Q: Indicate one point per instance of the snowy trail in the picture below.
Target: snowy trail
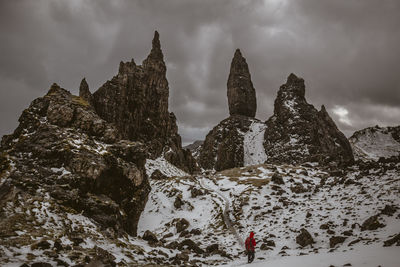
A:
(225, 213)
(254, 152)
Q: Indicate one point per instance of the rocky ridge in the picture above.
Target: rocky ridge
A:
(62, 150)
(136, 102)
(373, 143)
(297, 132)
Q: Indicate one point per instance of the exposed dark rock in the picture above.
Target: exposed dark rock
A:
(277, 178)
(136, 101)
(334, 240)
(389, 210)
(372, 223)
(223, 146)
(181, 224)
(191, 245)
(393, 240)
(84, 92)
(40, 264)
(178, 203)
(149, 236)
(43, 244)
(298, 189)
(241, 93)
(64, 148)
(158, 175)
(304, 238)
(212, 248)
(298, 133)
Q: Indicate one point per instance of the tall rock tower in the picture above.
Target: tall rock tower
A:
(241, 93)
(223, 146)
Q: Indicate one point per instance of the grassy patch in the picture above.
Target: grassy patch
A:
(80, 101)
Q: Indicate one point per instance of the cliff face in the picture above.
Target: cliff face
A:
(298, 133)
(136, 101)
(63, 153)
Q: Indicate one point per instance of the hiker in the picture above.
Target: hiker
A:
(250, 245)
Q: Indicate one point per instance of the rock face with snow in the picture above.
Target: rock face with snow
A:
(223, 146)
(373, 143)
(136, 101)
(241, 93)
(297, 132)
(63, 153)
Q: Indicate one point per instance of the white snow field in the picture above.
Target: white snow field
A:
(254, 152)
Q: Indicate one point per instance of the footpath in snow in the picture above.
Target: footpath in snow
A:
(362, 256)
(254, 152)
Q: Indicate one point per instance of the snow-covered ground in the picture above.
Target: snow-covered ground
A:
(254, 152)
(360, 256)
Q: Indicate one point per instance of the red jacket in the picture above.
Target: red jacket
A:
(250, 242)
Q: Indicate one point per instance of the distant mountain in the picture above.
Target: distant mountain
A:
(375, 142)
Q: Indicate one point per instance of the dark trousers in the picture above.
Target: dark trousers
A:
(250, 256)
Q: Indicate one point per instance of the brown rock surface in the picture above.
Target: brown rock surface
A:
(241, 93)
(298, 133)
(136, 101)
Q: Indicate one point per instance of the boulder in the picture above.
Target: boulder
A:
(181, 224)
(150, 236)
(304, 238)
(158, 175)
(334, 240)
(277, 178)
(372, 223)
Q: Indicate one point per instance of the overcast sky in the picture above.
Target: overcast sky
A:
(347, 51)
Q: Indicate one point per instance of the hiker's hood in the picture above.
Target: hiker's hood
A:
(251, 234)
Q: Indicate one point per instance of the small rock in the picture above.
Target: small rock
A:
(43, 244)
(334, 240)
(158, 175)
(391, 241)
(277, 178)
(181, 224)
(304, 238)
(389, 210)
(211, 248)
(372, 223)
(178, 202)
(150, 236)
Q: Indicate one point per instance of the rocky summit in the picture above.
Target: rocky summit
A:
(136, 101)
(65, 155)
(241, 93)
(297, 132)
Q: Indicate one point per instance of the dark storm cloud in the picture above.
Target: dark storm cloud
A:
(347, 51)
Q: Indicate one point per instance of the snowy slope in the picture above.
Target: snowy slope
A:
(254, 152)
(373, 143)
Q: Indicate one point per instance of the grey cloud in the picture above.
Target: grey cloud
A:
(347, 52)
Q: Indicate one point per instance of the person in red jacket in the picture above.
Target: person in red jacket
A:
(250, 246)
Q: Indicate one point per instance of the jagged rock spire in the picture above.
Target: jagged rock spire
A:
(241, 93)
(84, 92)
(155, 60)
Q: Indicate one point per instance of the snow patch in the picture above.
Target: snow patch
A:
(254, 152)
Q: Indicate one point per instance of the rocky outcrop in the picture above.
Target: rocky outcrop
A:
(84, 92)
(63, 153)
(376, 142)
(136, 101)
(298, 133)
(241, 93)
(223, 146)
